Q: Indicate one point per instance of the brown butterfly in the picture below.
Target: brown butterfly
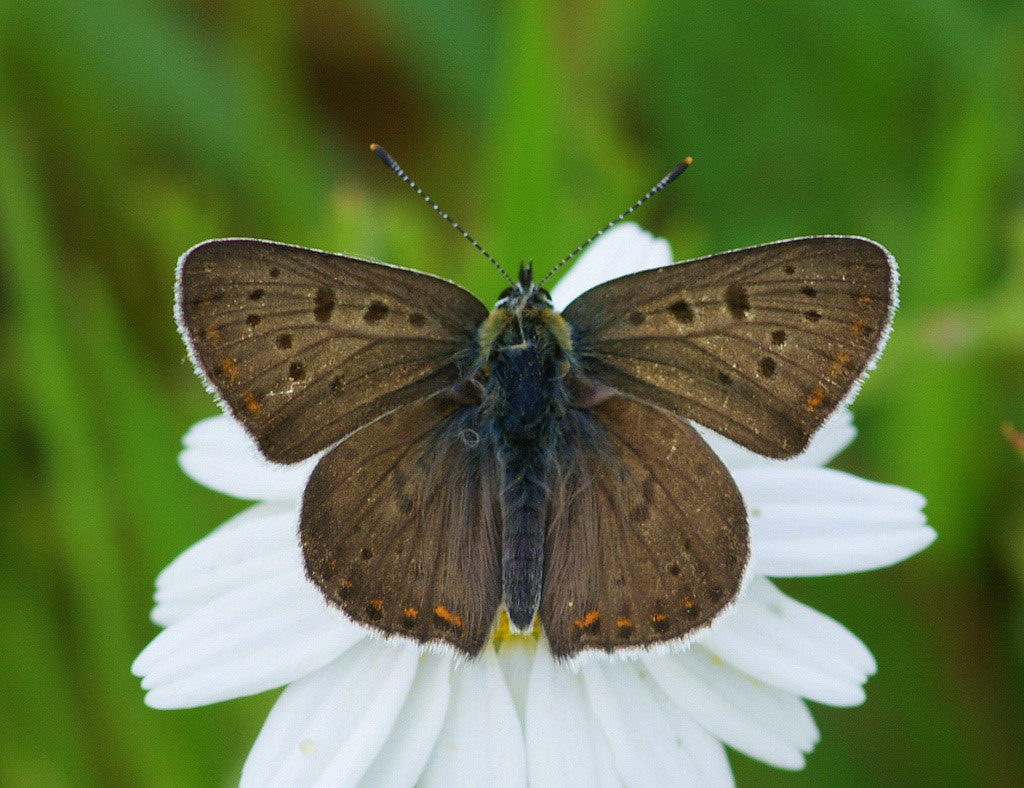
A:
(523, 459)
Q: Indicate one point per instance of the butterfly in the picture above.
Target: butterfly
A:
(523, 460)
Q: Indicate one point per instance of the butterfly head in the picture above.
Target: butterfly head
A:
(525, 294)
(524, 314)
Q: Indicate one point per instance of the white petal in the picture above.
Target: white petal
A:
(755, 718)
(253, 639)
(327, 728)
(835, 435)
(564, 745)
(258, 543)
(516, 659)
(787, 644)
(816, 521)
(415, 732)
(482, 739)
(220, 455)
(625, 249)
(706, 751)
(644, 740)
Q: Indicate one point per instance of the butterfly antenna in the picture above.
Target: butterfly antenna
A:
(385, 157)
(678, 170)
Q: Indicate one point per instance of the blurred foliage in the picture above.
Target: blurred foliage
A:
(132, 129)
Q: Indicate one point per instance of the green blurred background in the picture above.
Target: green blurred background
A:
(131, 130)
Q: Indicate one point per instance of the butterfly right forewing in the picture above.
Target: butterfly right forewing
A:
(303, 347)
(759, 344)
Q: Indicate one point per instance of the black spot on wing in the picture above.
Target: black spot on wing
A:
(323, 304)
(737, 301)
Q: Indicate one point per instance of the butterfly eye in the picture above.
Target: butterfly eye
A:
(506, 293)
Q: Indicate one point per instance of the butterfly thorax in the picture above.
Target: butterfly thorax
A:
(525, 354)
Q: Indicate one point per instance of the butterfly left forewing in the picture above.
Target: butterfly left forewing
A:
(759, 344)
(400, 526)
(303, 346)
(647, 538)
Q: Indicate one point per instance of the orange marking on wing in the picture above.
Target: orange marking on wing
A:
(212, 334)
(841, 360)
(410, 612)
(376, 604)
(446, 615)
(815, 398)
(251, 404)
(622, 621)
(590, 618)
(687, 602)
(229, 369)
(857, 326)
(658, 617)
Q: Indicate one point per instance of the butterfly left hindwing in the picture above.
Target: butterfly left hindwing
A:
(401, 525)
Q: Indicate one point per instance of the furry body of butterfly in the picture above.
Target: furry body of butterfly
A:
(525, 353)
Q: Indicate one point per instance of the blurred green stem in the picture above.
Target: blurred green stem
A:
(51, 384)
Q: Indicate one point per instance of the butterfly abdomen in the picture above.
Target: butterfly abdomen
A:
(524, 503)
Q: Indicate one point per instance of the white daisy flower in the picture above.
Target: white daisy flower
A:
(240, 617)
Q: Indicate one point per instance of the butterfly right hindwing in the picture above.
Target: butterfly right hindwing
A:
(647, 535)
